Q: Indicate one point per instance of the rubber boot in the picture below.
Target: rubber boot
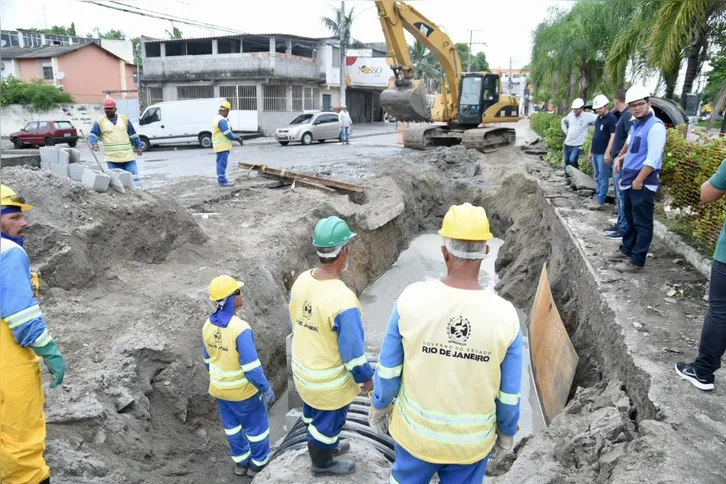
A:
(343, 448)
(240, 470)
(324, 464)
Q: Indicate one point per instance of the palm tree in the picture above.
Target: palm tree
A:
(339, 25)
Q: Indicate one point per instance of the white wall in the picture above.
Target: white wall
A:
(9, 68)
(122, 48)
(14, 117)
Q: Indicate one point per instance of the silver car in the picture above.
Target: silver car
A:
(310, 127)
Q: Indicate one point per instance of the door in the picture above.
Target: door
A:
(43, 131)
(29, 132)
(151, 124)
(326, 102)
(334, 126)
(472, 95)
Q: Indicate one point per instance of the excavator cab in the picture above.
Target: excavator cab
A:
(479, 92)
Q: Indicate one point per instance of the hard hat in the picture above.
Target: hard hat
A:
(331, 232)
(600, 101)
(109, 103)
(636, 93)
(578, 103)
(222, 287)
(466, 222)
(343, 106)
(226, 105)
(8, 198)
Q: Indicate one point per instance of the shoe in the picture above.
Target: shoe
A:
(324, 464)
(226, 184)
(343, 448)
(254, 470)
(687, 371)
(614, 236)
(618, 256)
(594, 206)
(627, 268)
(612, 228)
(240, 470)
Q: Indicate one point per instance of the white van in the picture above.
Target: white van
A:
(178, 122)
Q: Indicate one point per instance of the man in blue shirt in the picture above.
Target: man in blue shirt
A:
(713, 336)
(601, 142)
(641, 159)
(617, 231)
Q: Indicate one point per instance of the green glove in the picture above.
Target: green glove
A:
(53, 360)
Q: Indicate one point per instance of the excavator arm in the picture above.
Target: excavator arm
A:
(406, 101)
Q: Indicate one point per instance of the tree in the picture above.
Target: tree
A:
(112, 34)
(175, 32)
(339, 25)
(478, 61)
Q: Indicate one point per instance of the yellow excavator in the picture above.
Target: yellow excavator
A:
(466, 101)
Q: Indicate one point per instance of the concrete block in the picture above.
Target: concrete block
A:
(76, 171)
(60, 169)
(126, 178)
(44, 165)
(48, 155)
(96, 180)
(294, 400)
(291, 418)
(382, 219)
(74, 154)
(62, 157)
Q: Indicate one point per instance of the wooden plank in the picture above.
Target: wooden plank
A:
(554, 359)
(317, 186)
(266, 170)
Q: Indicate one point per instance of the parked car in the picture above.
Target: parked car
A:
(45, 133)
(309, 127)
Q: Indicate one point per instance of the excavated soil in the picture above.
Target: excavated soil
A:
(124, 280)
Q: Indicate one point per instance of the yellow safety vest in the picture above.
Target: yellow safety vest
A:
(454, 340)
(115, 137)
(220, 142)
(22, 424)
(226, 377)
(321, 378)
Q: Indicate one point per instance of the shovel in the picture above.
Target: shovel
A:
(115, 182)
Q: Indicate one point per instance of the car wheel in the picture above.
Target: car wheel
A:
(321, 141)
(307, 138)
(145, 144)
(205, 140)
(17, 143)
(48, 142)
(283, 143)
(72, 144)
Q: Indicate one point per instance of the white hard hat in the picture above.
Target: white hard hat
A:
(578, 103)
(600, 101)
(343, 106)
(636, 93)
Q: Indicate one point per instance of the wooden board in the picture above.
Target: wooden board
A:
(313, 181)
(554, 359)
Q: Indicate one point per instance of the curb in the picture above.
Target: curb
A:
(274, 142)
(676, 243)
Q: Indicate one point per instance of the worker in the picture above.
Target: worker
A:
(328, 350)
(346, 124)
(616, 232)
(236, 379)
(575, 126)
(602, 141)
(24, 339)
(641, 159)
(445, 331)
(222, 137)
(119, 139)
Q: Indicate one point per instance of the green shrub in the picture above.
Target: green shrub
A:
(35, 94)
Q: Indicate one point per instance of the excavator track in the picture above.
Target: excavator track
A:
(488, 139)
(416, 137)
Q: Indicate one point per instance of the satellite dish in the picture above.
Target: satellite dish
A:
(60, 75)
(3, 43)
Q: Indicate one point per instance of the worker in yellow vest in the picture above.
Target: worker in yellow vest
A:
(236, 379)
(24, 339)
(328, 350)
(222, 137)
(466, 339)
(119, 139)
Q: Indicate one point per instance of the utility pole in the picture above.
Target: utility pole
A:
(343, 28)
(510, 77)
(471, 38)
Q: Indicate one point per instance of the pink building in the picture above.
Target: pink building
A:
(89, 70)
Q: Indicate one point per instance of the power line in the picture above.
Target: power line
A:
(204, 24)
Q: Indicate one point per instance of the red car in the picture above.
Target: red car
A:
(45, 133)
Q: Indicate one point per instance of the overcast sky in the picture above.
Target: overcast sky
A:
(505, 25)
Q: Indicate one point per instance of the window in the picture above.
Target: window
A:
(274, 98)
(194, 92)
(63, 125)
(199, 47)
(155, 95)
(243, 98)
(311, 98)
(229, 46)
(31, 127)
(297, 98)
(11, 39)
(48, 73)
(336, 56)
(43, 126)
(302, 119)
(153, 49)
(152, 115)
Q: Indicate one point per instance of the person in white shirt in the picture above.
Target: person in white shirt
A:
(347, 123)
(575, 126)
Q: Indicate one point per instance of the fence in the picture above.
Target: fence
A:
(242, 97)
(194, 92)
(274, 98)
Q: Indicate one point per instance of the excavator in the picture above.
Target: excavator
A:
(466, 101)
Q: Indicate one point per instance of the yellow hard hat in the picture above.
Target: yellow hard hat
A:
(8, 198)
(226, 105)
(222, 287)
(466, 222)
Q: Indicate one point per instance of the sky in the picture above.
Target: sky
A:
(506, 34)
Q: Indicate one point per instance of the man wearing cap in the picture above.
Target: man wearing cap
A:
(119, 139)
(346, 123)
(466, 339)
(236, 379)
(24, 339)
(328, 349)
(575, 126)
(222, 137)
(639, 162)
(601, 143)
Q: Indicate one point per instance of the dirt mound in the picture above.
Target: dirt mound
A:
(76, 234)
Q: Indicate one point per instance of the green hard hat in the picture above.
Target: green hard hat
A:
(331, 231)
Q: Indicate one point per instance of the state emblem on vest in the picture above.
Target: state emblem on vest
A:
(459, 330)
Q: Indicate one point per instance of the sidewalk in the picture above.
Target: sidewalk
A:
(358, 131)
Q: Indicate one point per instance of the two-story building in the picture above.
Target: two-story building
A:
(515, 82)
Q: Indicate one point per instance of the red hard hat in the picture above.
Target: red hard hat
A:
(109, 103)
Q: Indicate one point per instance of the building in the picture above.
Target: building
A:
(88, 70)
(516, 83)
(268, 78)
(25, 38)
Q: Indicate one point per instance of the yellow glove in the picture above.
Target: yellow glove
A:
(379, 419)
(35, 283)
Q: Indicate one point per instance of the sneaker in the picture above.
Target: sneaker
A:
(627, 268)
(612, 228)
(687, 371)
(618, 256)
(240, 470)
(594, 206)
(254, 470)
(614, 236)
(226, 184)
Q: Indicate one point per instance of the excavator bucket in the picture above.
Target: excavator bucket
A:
(406, 103)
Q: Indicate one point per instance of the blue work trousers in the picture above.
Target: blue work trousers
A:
(248, 430)
(324, 426)
(410, 470)
(622, 224)
(572, 156)
(602, 177)
(222, 157)
(639, 208)
(129, 166)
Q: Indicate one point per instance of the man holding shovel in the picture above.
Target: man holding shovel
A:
(118, 135)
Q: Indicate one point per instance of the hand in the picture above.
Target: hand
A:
(367, 386)
(94, 147)
(502, 447)
(589, 157)
(617, 164)
(608, 159)
(139, 151)
(379, 419)
(239, 137)
(268, 397)
(53, 360)
(637, 184)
